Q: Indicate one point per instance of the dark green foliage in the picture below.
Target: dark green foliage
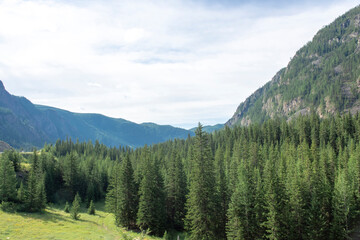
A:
(35, 199)
(75, 208)
(221, 193)
(128, 201)
(113, 194)
(21, 193)
(278, 180)
(121, 198)
(91, 209)
(71, 173)
(201, 204)
(176, 190)
(151, 214)
(7, 179)
(14, 157)
(67, 207)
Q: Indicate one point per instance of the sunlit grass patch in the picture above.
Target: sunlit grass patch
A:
(54, 223)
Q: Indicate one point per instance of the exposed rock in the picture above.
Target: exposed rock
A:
(291, 106)
(338, 69)
(4, 146)
(356, 21)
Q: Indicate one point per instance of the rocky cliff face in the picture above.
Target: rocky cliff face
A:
(323, 76)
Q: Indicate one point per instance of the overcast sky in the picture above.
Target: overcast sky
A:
(173, 62)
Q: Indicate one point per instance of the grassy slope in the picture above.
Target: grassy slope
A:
(56, 224)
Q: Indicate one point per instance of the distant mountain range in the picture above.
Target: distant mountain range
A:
(323, 76)
(25, 125)
(210, 129)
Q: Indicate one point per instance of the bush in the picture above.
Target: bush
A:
(8, 206)
(75, 209)
(67, 207)
(91, 209)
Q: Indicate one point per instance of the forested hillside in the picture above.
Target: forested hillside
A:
(278, 180)
(25, 125)
(323, 76)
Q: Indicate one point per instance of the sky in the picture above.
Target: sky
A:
(176, 62)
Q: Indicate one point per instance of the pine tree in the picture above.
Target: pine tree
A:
(75, 209)
(35, 199)
(222, 193)
(31, 191)
(113, 193)
(241, 214)
(176, 191)
(151, 213)
(201, 202)
(40, 197)
(127, 198)
(341, 207)
(91, 209)
(7, 179)
(71, 172)
(276, 222)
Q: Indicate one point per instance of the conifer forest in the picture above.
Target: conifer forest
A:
(297, 179)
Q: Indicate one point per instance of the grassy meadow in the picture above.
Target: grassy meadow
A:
(54, 223)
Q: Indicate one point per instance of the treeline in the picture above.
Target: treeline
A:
(278, 180)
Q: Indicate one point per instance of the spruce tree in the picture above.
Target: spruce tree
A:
(113, 193)
(75, 208)
(151, 213)
(222, 193)
(176, 191)
(7, 179)
(71, 172)
(276, 220)
(127, 198)
(201, 203)
(241, 214)
(40, 197)
(35, 199)
(91, 209)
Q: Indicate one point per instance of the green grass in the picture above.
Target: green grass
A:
(54, 223)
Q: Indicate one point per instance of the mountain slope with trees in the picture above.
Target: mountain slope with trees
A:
(323, 76)
(24, 125)
(278, 180)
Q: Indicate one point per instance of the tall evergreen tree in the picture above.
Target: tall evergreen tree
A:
(35, 199)
(75, 208)
(127, 202)
(112, 196)
(241, 209)
(91, 209)
(71, 172)
(201, 202)
(176, 190)
(222, 193)
(7, 179)
(151, 213)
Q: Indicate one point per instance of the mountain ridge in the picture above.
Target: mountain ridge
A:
(25, 125)
(323, 76)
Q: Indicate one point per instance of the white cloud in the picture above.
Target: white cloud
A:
(172, 62)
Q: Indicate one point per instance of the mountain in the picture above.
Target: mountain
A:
(24, 125)
(4, 146)
(209, 129)
(323, 76)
